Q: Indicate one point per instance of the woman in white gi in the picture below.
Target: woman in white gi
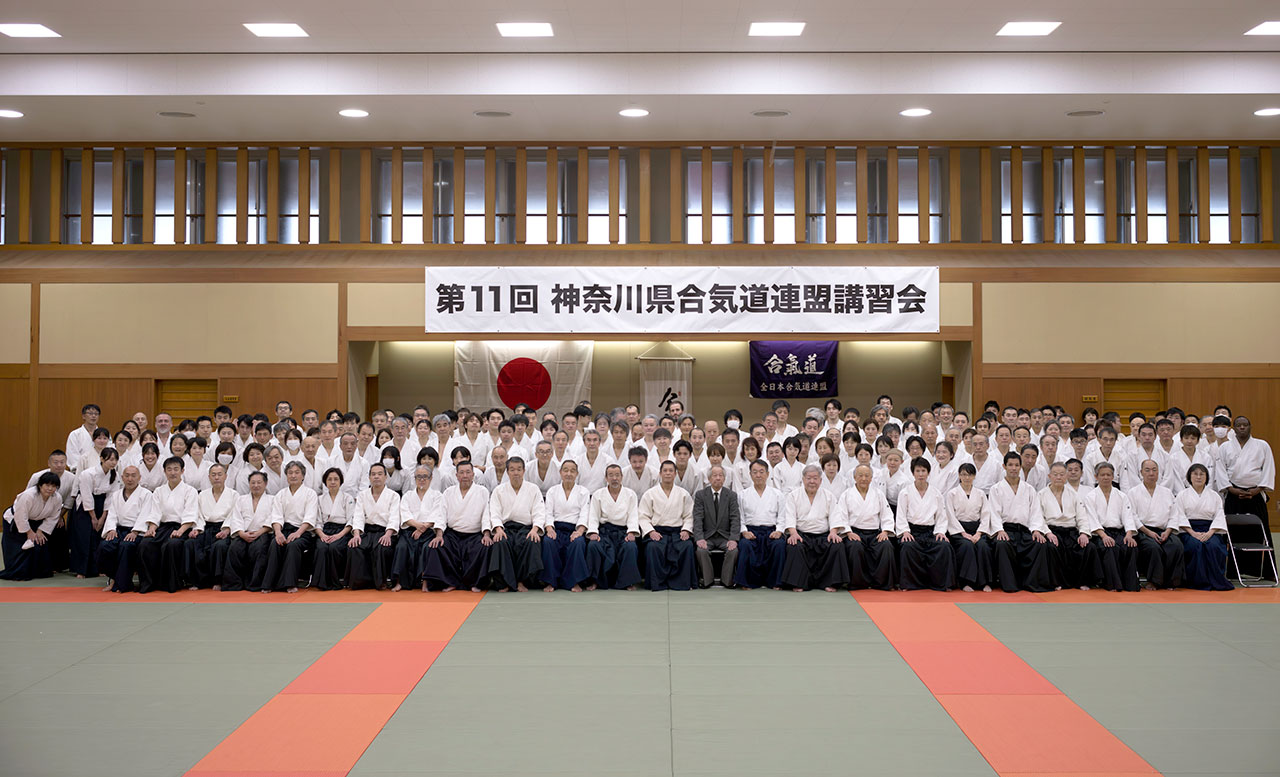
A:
(892, 478)
(334, 509)
(924, 551)
(944, 477)
(128, 510)
(84, 527)
(564, 548)
(966, 506)
(787, 473)
(1204, 548)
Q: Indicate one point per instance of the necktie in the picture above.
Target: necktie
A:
(715, 501)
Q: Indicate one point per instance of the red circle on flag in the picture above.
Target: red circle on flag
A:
(524, 380)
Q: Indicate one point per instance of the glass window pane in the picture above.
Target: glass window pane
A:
(784, 186)
(535, 193)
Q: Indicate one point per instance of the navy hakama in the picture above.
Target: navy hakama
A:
(516, 559)
(564, 561)
(285, 562)
(815, 562)
(22, 564)
(612, 562)
(1160, 562)
(246, 564)
(370, 564)
(872, 564)
(760, 561)
(925, 562)
(669, 561)
(1071, 565)
(83, 539)
(972, 559)
(406, 564)
(461, 561)
(1205, 563)
(118, 558)
(205, 557)
(1021, 562)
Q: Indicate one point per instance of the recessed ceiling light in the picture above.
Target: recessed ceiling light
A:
(525, 29)
(28, 31)
(771, 113)
(492, 114)
(353, 113)
(633, 113)
(1267, 112)
(1084, 114)
(276, 30)
(176, 114)
(8, 114)
(1028, 28)
(1266, 28)
(915, 112)
(776, 29)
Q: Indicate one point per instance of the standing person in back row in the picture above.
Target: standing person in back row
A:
(1246, 472)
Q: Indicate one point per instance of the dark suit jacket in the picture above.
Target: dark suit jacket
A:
(707, 522)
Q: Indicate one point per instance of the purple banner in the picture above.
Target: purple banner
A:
(783, 369)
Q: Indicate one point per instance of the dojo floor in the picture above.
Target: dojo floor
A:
(697, 683)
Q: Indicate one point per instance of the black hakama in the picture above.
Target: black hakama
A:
(516, 559)
(564, 561)
(872, 564)
(370, 564)
(118, 558)
(815, 562)
(1071, 565)
(1205, 562)
(1160, 562)
(406, 565)
(331, 559)
(84, 540)
(205, 557)
(612, 562)
(973, 559)
(461, 561)
(285, 562)
(246, 564)
(1021, 562)
(760, 561)
(669, 561)
(925, 562)
(151, 558)
(22, 564)
(1119, 562)
(173, 561)
(60, 546)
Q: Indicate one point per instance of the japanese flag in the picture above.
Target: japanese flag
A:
(546, 375)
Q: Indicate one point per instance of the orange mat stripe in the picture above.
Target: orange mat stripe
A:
(991, 693)
(325, 719)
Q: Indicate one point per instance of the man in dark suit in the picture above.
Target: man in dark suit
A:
(717, 524)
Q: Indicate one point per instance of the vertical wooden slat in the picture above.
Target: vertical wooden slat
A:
(1172, 215)
(55, 196)
(1234, 219)
(33, 381)
(459, 194)
(737, 180)
(892, 204)
(1202, 193)
(117, 196)
(273, 194)
(1266, 218)
(584, 193)
(366, 195)
(211, 195)
(179, 196)
(553, 213)
(335, 195)
(954, 196)
(1015, 194)
(1048, 195)
(522, 194)
(428, 195)
(984, 195)
(242, 195)
(768, 194)
(645, 206)
(397, 195)
(304, 195)
(706, 195)
(976, 370)
(1078, 207)
(831, 208)
(1110, 188)
(86, 195)
(615, 195)
(24, 196)
(864, 187)
(490, 195)
(1140, 194)
(922, 193)
(677, 209)
(148, 196)
(801, 195)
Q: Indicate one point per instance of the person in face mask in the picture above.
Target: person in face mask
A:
(293, 445)
(732, 419)
(397, 480)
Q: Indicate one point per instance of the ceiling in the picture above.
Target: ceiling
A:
(1160, 69)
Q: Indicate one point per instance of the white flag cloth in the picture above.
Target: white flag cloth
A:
(662, 380)
(548, 375)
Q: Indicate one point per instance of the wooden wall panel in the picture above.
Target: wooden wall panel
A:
(62, 398)
(14, 466)
(261, 394)
(1033, 392)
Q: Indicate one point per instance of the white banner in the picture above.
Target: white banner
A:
(662, 380)
(553, 375)
(676, 300)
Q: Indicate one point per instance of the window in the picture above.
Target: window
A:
(754, 160)
(815, 200)
(1157, 198)
(567, 196)
(878, 195)
(721, 196)
(442, 180)
(1249, 196)
(1219, 203)
(784, 196)
(290, 186)
(846, 196)
(535, 193)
